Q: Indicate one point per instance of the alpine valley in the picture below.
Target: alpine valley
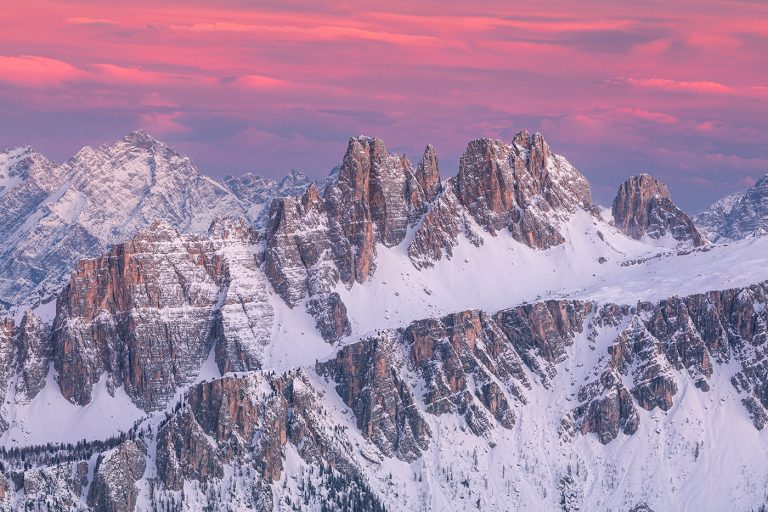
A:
(388, 338)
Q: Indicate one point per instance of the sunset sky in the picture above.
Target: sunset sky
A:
(675, 88)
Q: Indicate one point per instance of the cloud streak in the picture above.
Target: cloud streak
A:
(35, 70)
(701, 86)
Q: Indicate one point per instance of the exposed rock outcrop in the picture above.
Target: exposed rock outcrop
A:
(258, 192)
(737, 215)
(246, 420)
(149, 312)
(35, 353)
(465, 359)
(298, 259)
(330, 314)
(367, 376)
(374, 200)
(644, 207)
(522, 187)
(25, 355)
(52, 215)
(250, 430)
(662, 340)
(114, 482)
(712, 221)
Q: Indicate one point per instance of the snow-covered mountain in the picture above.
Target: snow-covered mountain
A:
(391, 340)
(52, 215)
(258, 192)
(737, 215)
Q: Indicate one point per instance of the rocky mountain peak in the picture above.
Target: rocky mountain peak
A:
(295, 178)
(13, 166)
(643, 207)
(133, 152)
(711, 222)
(12, 156)
(140, 138)
(364, 155)
(19, 164)
(521, 187)
(152, 309)
(258, 191)
(51, 215)
(187, 327)
(497, 182)
(428, 173)
(375, 197)
(527, 141)
(749, 214)
(249, 186)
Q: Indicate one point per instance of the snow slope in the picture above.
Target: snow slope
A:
(503, 272)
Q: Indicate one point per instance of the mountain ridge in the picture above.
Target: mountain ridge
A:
(385, 339)
(737, 215)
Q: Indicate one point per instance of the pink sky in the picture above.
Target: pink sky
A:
(675, 88)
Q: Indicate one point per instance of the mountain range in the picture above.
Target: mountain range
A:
(383, 339)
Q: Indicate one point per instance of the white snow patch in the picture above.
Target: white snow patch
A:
(50, 418)
(503, 272)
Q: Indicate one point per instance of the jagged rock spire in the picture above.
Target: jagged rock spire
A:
(644, 207)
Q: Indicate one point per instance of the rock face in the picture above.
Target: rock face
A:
(52, 215)
(330, 314)
(258, 192)
(298, 258)
(522, 187)
(149, 312)
(25, 355)
(443, 412)
(368, 380)
(7, 356)
(470, 374)
(497, 182)
(113, 488)
(315, 241)
(738, 215)
(470, 363)
(644, 207)
(661, 341)
(750, 214)
(59, 487)
(711, 222)
(34, 355)
(374, 199)
(463, 351)
(377, 196)
(249, 422)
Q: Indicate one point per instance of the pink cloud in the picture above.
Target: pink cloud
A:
(473, 22)
(35, 70)
(312, 32)
(162, 123)
(82, 20)
(645, 115)
(439, 72)
(124, 75)
(701, 86)
(259, 82)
